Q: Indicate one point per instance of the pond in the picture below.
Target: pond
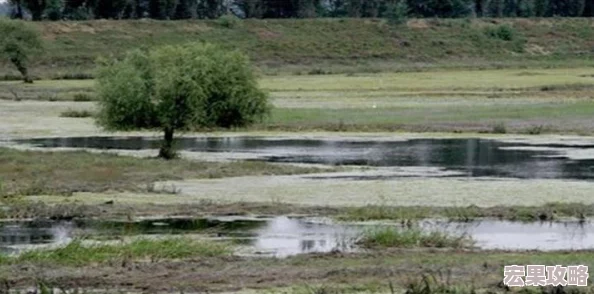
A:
(284, 236)
(471, 157)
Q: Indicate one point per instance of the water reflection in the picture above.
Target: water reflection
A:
(33, 233)
(283, 236)
(496, 234)
(474, 157)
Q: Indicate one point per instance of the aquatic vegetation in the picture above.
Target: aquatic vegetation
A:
(411, 237)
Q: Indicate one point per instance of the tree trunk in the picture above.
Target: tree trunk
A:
(167, 151)
(22, 69)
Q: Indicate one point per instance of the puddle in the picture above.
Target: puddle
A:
(470, 157)
(282, 236)
(23, 234)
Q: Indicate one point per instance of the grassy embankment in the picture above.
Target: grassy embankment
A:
(328, 45)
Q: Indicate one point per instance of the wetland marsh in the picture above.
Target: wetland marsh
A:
(502, 157)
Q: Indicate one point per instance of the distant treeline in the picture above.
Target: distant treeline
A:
(210, 9)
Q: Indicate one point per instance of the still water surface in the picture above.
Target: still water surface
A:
(473, 157)
(283, 236)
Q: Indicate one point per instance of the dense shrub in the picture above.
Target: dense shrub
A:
(502, 32)
(228, 21)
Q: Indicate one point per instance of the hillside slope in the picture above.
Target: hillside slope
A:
(332, 44)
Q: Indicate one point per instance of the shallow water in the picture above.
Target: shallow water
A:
(282, 236)
(496, 234)
(16, 234)
(472, 157)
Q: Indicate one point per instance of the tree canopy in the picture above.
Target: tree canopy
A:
(184, 9)
(181, 87)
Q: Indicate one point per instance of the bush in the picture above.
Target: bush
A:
(318, 71)
(74, 76)
(536, 130)
(82, 97)
(501, 32)
(499, 128)
(228, 21)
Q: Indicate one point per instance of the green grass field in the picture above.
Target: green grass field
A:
(519, 101)
(302, 46)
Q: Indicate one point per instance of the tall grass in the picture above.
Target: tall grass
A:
(411, 238)
(77, 254)
(431, 283)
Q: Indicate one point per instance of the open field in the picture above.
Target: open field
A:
(326, 45)
(521, 101)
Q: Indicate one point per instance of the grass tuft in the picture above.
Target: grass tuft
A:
(411, 238)
(499, 128)
(430, 283)
(82, 97)
(76, 113)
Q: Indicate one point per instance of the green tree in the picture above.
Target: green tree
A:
(181, 87)
(54, 10)
(541, 7)
(185, 9)
(251, 8)
(211, 8)
(36, 7)
(396, 13)
(17, 11)
(19, 41)
(162, 9)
